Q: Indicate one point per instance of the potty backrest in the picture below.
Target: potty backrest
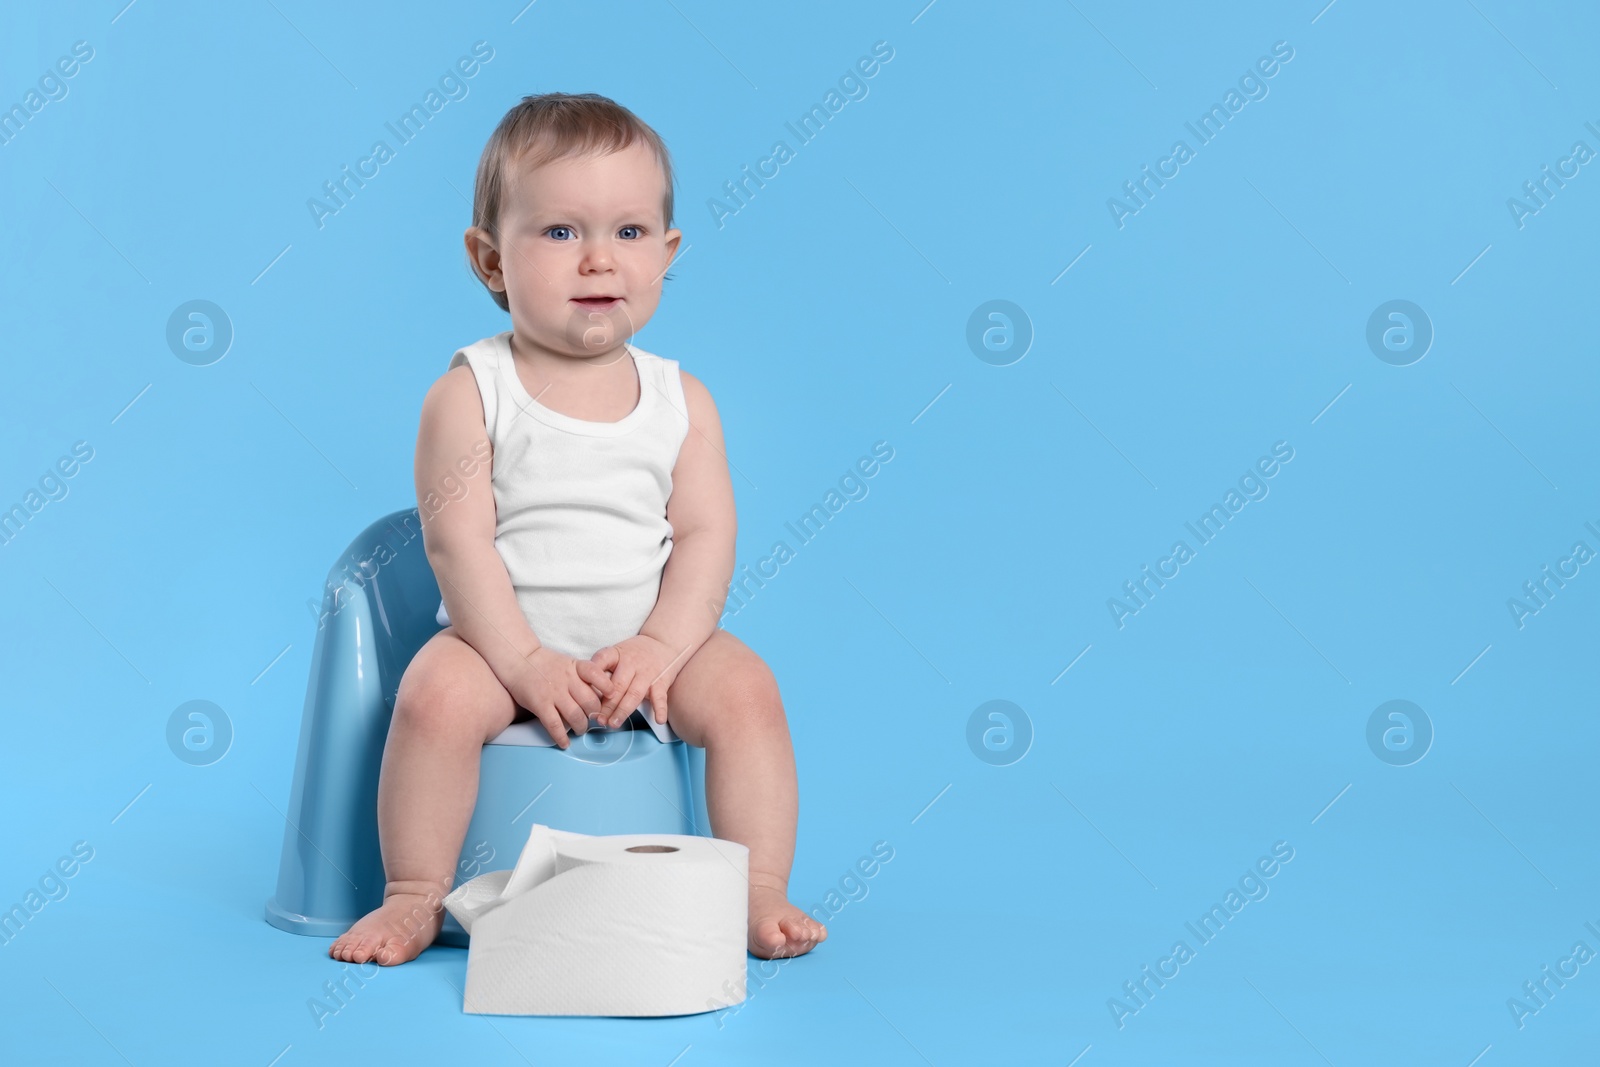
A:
(387, 567)
(377, 610)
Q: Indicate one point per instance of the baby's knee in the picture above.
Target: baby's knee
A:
(423, 702)
(438, 698)
(751, 691)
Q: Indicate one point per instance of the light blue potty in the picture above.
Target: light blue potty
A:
(378, 609)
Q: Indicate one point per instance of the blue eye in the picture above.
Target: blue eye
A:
(635, 228)
(552, 231)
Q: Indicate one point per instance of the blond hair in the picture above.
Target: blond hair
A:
(550, 126)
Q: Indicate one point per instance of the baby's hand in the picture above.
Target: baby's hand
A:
(640, 666)
(561, 692)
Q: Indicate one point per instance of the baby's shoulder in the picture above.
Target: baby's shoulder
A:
(455, 382)
(454, 398)
(697, 402)
(697, 398)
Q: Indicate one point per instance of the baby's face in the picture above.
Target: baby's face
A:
(579, 229)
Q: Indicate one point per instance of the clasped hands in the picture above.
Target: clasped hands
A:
(564, 693)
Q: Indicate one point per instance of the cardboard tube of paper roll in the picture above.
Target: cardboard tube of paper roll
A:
(620, 924)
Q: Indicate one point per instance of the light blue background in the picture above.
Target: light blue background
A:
(825, 316)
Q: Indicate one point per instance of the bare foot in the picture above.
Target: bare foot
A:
(394, 932)
(778, 928)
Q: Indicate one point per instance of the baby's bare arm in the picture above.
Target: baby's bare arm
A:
(694, 584)
(453, 467)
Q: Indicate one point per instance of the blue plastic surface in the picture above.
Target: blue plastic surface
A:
(377, 611)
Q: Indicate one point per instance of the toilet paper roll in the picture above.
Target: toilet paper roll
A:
(619, 924)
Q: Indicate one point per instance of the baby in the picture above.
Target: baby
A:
(584, 570)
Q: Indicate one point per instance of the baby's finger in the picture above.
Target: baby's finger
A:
(550, 719)
(595, 675)
(632, 698)
(658, 700)
(622, 677)
(603, 679)
(587, 699)
(628, 699)
(572, 713)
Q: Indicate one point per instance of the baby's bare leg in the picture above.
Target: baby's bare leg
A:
(726, 701)
(449, 704)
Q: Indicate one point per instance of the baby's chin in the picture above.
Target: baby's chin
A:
(589, 331)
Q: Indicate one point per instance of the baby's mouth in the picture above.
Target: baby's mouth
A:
(598, 303)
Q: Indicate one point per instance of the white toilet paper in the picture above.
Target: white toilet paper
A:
(620, 924)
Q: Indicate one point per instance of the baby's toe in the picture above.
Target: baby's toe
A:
(377, 946)
(348, 948)
(797, 928)
(767, 937)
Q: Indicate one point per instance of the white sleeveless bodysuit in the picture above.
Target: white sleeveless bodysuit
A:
(581, 507)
